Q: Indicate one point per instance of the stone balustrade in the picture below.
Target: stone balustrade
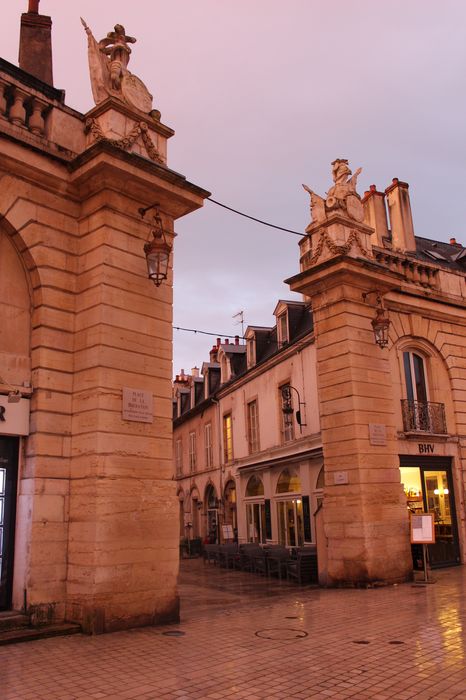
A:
(22, 108)
(412, 270)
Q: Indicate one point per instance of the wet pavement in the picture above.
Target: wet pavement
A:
(242, 636)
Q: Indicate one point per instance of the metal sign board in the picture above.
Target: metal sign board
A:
(422, 528)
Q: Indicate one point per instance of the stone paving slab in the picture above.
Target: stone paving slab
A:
(395, 643)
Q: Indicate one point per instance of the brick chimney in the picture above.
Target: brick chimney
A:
(375, 214)
(401, 219)
(35, 43)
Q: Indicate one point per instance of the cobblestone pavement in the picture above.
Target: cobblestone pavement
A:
(246, 638)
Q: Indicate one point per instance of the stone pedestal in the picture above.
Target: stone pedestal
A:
(365, 517)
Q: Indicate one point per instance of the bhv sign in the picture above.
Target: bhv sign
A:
(14, 417)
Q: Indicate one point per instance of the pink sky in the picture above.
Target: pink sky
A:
(263, 95)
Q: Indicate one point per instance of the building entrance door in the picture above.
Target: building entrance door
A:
(429, 489)
(8, 482)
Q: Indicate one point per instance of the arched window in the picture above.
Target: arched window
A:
(211, 496)
(288, 482)
(255, 487)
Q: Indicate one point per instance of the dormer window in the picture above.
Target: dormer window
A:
(251, 351)
(282, 329)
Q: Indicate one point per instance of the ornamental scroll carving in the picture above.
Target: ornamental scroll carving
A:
(140, 129)
(341, 197)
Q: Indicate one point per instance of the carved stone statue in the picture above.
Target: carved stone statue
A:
(108, 68)
(341, 197)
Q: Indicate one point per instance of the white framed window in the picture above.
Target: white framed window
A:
(192, 451)
(179, 456)
(253, 427)
(251, 352)
(282, 329)
(208, 445)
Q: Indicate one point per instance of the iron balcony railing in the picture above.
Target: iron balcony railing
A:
(423, 416)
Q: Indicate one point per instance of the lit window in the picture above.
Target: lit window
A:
(253, 427)
(228, 438)
(208, 445)
(192, 451)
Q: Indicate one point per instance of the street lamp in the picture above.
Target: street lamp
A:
(157, 252)
(381, 323)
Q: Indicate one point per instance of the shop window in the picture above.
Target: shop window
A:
(208, 445)
(256, 522)
(253, 427)
(288, 482)
(290, 523)
(228, 438)
(192, 451)
(255, 487)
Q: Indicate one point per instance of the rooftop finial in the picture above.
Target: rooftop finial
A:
(34, 6)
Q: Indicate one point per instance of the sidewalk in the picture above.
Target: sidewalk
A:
(246, 638)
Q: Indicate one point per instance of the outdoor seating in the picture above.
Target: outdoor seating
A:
(303, 569)
(277, 559)
(227, 555)
(247, 553)
(211, 553)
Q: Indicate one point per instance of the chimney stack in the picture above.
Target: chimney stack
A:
(401, 219)
(375, 214)
(35, 43)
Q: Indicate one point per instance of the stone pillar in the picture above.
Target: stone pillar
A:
(365, 517)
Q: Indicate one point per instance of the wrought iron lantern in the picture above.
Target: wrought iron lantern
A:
(381, 326)
(381, 323)
(157, 253)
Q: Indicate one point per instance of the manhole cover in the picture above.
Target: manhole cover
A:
(174, 633)
(360, 641)
(281, 633)
(396, 641)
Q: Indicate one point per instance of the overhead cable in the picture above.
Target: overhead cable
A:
(253, 218)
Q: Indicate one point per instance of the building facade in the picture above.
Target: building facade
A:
(88, 508)
(378, 378)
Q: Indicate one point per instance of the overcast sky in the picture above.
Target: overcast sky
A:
(263, 95)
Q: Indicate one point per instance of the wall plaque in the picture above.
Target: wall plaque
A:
(137, 405)
(377, 434)
(340, 477)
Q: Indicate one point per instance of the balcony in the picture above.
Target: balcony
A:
(423, 417)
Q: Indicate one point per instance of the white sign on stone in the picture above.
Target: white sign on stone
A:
(377, 434)
(14, 417)
(340, 477)
(137, 405)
